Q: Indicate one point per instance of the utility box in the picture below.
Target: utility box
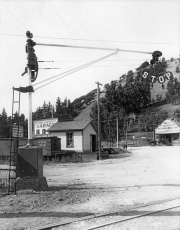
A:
(30, 162)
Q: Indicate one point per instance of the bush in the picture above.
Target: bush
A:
(152, 142)
(117, 150)
(177, 69)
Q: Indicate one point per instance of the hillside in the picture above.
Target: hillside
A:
(157, 88)
(85, 113)
(84, 103)
(85, 110)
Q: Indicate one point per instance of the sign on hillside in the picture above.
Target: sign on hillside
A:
(156, 71)
(153, 77)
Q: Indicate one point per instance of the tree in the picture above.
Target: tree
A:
(49, 110)
(132, 97)
(122, 78)
(108, 121)
(58, 108)
(64, 109)
(173, 87)
(143, 65)
(43, 112)
(177, 69)
(136, 95)
(176, 115)
(4, 128)
(129, 77)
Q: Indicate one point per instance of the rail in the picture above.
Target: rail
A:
(95, 216)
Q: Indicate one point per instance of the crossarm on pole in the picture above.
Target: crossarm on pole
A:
(97, 48)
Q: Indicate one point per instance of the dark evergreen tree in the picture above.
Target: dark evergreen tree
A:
(58, 108)
(4, 128)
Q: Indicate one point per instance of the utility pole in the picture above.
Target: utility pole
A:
(154, 135)
(109, 133)
(32, 69)
(99, 123)
(117, 125)
(30, 138)
(126, 129)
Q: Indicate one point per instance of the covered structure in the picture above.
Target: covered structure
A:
(168, 130)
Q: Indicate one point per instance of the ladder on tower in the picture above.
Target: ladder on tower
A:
(14, 142)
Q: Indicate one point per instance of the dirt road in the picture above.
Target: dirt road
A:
(143, 175)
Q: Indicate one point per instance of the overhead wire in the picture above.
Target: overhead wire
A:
(73, 70)
(93, 40)
(30, 19)
(11, 19)
(93, 48)
(74, 39)
(88, 60)
(79, 67)
(48, 21)
(62, 20)
(39, 11)
(90, 67)
(50, 68)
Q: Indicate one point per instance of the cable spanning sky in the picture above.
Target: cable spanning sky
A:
(146, 25)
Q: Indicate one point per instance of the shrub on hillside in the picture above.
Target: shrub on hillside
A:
(177, 69)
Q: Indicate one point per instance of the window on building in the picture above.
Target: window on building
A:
(37, 131)
(69, 138)
(43, 131)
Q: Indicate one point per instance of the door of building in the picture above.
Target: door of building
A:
(93, 143)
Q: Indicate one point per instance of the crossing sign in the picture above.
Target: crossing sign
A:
(17, 132)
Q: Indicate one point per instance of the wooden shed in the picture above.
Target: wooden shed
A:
(79, 136)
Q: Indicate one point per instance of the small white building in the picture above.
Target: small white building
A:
(79, 136)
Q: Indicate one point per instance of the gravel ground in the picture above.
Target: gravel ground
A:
(153, 221)
(143, 175)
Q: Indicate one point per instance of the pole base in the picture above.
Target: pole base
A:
(35, 183)
(30, 142)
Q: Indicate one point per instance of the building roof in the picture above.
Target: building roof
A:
(168, 127)
(69, 125)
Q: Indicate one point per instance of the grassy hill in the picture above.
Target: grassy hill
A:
(84, 113)
(169, 108)
(84, 103)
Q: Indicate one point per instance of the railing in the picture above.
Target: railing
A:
(5, 184)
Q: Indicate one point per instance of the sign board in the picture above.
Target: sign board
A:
(17, 131)
(161, 78)
(40, 125)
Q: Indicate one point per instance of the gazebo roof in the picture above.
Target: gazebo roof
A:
(167, 127)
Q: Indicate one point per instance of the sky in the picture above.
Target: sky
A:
(142, 25)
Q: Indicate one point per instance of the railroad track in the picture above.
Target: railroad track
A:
(62, 225)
